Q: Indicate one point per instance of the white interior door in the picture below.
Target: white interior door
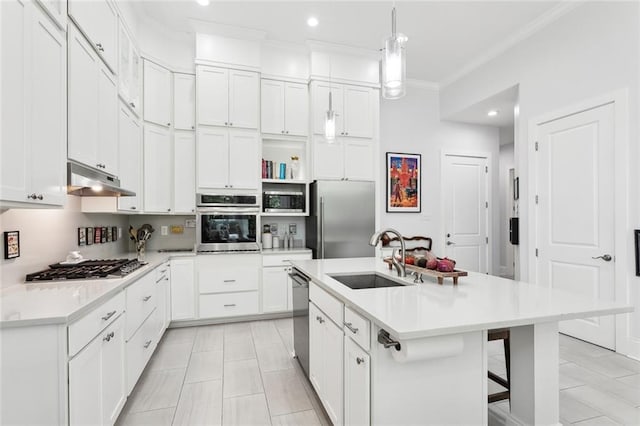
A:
(466, 204)
(575, 215)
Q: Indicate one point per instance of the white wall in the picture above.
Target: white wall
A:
(169, 48)
(47, 235)
(589, 52)
(506, 162)
(412, 125)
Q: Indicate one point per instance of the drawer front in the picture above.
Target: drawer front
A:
(327, 303)
(229, 279)
(141, 300)
(86, 328)
(283, 259)
(228, 304)
(162, 272)
(358, 328)
(139, 350)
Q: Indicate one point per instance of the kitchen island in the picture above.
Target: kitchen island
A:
(438, 375)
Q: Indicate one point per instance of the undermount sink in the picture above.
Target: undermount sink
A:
(362, 281)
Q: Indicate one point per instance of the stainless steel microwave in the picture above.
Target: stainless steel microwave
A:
(283, 201)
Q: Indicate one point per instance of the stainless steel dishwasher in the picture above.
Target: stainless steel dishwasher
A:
(300, 291)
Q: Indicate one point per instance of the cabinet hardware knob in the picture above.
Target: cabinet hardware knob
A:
(109, 336)
(346, 133)
(133, 207)
(168, 124)
(226, 124)
(168, 210)
(147, 343)
(281, 131)
(230, 124)
(287, 132)
(229, 305)
(359, 360)
(146, 298)
(40, 197)
(32, 196)
(109, 315)
(351, 328)
(193, 127)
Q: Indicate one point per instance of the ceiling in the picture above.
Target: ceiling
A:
(444, 36)
(503, 102)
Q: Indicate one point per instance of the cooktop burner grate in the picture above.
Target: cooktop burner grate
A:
(89, 269)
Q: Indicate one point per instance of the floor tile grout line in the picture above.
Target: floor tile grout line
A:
(262, 379)
(175, 410)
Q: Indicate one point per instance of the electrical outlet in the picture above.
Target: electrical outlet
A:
(164, 230)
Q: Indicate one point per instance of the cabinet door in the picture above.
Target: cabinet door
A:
(124, 63)
(113, 371)
(316, 348)
(358, 120)
(357, 391)
(358, 159)
(184, 101)
(162, 312)
(57, 9)
(107, 153)
(82, 99)
(183, 296)
(85, 398)
(272, 107)
(244, 92)
(157, 94)
(320, 96)
(296, 107)
(98, 21)
(333, 364)
(158, 179)
(48, 110)
(212, 153)
(274, 289)
(14, 185)
(328, 160)
(129, 155)
(244, 160)
(184, 174)
(213, 96)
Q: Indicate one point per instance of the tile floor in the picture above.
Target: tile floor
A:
(242, 374)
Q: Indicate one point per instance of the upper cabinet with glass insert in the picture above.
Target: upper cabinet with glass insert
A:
(129, 70)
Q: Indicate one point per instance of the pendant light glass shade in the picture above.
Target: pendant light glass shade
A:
(330, 122)
(394, 64)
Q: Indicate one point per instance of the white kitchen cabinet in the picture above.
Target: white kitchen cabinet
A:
(326, 362)
(275, 291)
(92, 98)
(353, 106)
(163, 302)
(33, 106)
(184, 101)
(98, 21)
(357, 384)
(183, 296)
(284, 108)
(227, 97)
(130, 159)
(139, 348)
(157, 94)
(184, 174)
(227, 159)
(57, 10)
(343, 159)
(96, 378)
(158, 179)
(129, 70)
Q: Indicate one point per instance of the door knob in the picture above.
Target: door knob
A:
(450, 243)
(605, 257)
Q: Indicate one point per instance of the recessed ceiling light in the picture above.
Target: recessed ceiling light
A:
(492, 113)
(312, 21)
(203, 2)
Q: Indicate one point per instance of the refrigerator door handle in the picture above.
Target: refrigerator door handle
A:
(322, 227)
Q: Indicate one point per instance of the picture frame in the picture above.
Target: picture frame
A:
(103, 235)
(97, 235)
(637, 246)
(109, 234)
(516, 189)
(82, 236)
(11, 244)
(114, 233)
(89, 236)
(403, 178)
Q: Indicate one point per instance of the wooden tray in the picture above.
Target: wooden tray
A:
(433, 273)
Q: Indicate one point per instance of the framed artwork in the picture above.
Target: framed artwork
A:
(109, 234)
(103, 235)
(404, 186)
(97, 235)
(11, 244)
(82, 236)
(637, 245)
(114, 233)
(89, 236)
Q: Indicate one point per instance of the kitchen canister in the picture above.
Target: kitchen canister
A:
(267, 240)
(276, 242)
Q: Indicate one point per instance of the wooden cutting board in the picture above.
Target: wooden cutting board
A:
(432, 273)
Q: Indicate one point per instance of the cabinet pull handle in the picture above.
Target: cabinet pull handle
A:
(226, 124)
(229, 305)
(359, 360)
(146, 298)
(229, 281)
(168, 124)
(147, 343)
(320, 320)
(109, 315)
(40, 197)
(99, 46)
(132, 104)
(161, 279)
(109, 336)
(133, 207)
(349, 325)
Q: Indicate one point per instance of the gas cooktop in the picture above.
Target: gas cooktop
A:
(88, 269)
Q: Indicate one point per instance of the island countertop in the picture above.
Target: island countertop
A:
(478, 302)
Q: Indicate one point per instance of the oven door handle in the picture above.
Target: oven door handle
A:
(229, 210)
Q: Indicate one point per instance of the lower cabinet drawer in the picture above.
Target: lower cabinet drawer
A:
(140, 348)
(86, 328)
(141, 300)
(228, 304)
(357, 327)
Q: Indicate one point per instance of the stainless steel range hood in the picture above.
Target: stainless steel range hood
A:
(87, 182)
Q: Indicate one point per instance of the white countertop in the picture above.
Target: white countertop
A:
(478, 302)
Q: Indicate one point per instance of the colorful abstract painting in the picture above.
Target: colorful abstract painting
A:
(403, 183)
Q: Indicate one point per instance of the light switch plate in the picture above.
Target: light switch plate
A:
(164, 230)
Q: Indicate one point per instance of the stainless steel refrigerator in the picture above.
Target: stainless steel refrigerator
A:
(341, 219)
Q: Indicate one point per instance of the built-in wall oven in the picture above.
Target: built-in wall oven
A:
(227, 223)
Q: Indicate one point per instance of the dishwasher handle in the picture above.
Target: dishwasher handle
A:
(299, 278)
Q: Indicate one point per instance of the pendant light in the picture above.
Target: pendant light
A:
(330, 118)
(394, 63)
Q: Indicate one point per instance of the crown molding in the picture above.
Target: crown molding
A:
(423, 84)
(527, 31)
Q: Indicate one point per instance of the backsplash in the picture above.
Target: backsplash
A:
(48, 235)
(186, 240)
